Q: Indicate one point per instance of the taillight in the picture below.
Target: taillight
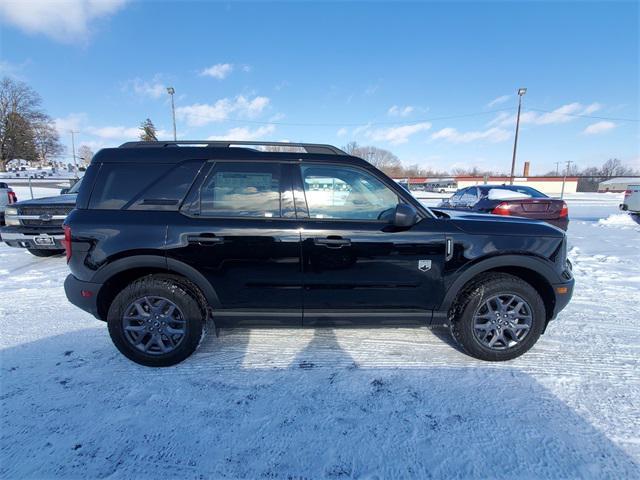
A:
(627, 193)
(503, 208)
(67, 241)
(12, 196)
(564, 212)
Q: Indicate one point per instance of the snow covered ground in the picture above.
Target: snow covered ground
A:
(344, 403)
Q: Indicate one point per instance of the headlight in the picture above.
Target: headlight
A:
(11, 217)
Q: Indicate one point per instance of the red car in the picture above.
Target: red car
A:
(513, 200)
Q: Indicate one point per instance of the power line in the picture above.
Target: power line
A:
(412, 122)
(304, 124)
(585, 116)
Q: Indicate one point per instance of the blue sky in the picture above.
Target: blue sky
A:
(433, 82)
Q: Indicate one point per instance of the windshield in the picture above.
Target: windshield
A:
(76, 187)
(531, 192)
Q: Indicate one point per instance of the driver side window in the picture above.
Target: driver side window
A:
(346, 193)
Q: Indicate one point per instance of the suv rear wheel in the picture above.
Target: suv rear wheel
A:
(157, 321)
(498, 317)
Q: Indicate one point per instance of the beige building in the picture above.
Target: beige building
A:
(551, 186)
(548, 185)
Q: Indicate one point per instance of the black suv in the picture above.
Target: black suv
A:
(166, 235)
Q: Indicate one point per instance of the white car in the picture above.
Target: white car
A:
(631, 202)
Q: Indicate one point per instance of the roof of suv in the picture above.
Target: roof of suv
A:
(174, 152)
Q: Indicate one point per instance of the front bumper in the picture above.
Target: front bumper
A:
(83, 295)
(563, 293)
(32, 240)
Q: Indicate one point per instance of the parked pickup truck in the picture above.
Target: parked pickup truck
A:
(7, 197)
(37, 224)
(631, 202)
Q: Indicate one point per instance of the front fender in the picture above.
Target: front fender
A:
(542, 267)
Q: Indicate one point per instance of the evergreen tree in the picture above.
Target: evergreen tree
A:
(148, 131)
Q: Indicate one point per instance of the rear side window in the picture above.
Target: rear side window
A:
(242, 189)
(138, 186)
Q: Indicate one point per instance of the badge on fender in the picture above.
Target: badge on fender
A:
(424, 265)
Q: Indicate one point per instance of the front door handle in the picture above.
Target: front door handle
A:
(332, 242)
(205, 239)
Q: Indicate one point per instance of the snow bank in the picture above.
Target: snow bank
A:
(617, 220)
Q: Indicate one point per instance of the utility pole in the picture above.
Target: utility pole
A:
(564, 179)
(73, 149)
(521, 92)
(171, 91)
(557, 169)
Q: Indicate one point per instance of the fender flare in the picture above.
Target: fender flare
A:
(538, 265)
(161, 262)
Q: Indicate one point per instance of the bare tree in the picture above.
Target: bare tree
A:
(85, 154)
(20, 110)
(614, 168)
(378, 157)
(148, 131)
(47, 141)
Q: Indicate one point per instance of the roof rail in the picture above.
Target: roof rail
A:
(308, 147)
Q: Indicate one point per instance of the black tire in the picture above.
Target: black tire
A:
(471, 300)
(42, 252)
(183, 294)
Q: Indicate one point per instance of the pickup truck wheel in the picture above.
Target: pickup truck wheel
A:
(156, 321)
(44, 252)
(499, 317)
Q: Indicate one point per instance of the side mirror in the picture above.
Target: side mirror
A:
(64, 190)
(405, 216)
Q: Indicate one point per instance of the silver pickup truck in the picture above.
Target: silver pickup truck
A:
(631, 202)
(7, 197)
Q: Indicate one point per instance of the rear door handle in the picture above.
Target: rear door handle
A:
(332, 242)
(205, 239)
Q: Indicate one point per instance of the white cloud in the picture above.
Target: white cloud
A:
(454, 136)
(599, 127)
(153, 89)
(396, 111)
(498, 100)
(200, 114)
(563, 114)
(73, 121)
(219, 71)
(245, 133)
(342, 132)
(397, 135)
(62, 20)
(114, 132)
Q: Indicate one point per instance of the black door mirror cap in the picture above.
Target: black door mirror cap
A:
(406, 216)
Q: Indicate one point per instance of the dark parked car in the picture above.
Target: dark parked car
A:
(510, 200)
(37, 224)
(167, 235)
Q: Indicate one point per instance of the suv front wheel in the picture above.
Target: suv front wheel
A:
(156, 321)
(498, 317)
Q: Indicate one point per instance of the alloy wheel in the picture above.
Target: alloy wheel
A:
(502, 321)
(154, 325)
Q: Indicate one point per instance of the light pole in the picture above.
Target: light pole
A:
(73, 149)
(171, 91)
(521, 92)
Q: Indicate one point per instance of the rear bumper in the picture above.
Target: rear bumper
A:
(32, 240)
(83, 295)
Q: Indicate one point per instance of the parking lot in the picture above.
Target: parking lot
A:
(343, 403)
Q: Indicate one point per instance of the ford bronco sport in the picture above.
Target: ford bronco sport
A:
(168, 235)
